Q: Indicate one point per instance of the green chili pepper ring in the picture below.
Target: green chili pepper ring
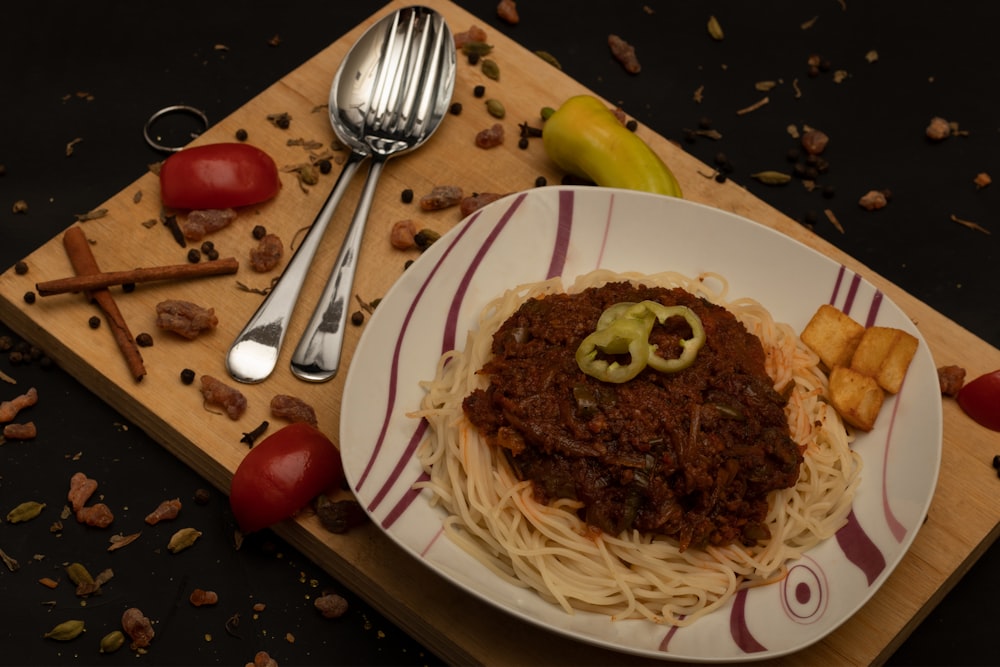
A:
(625, 327)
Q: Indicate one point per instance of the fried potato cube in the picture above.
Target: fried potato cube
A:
(832, 335)
(856, 397)
(885, 354)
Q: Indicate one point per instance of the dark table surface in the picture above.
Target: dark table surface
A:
(97, 70)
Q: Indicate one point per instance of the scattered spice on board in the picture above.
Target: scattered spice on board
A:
(280, 120)
(938, 129)
(183, 539)
(199, 223)
(331, 605)
(874, 200)
(66, 631)
(715, 29)
(293, 409)
(184, 318)
(981, 180)
(72, 145)
(251, 437)
(218, 393)
(96, 214)
(490, 137)
(402, 233)
(120, 541)
(441, 197)
(753, 107)
(267, 254)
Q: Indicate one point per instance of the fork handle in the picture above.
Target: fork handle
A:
(254, 354)
(317, 357)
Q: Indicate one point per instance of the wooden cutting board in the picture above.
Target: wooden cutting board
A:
(453, 624)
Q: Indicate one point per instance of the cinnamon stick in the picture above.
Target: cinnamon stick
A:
(84, 263)
(83, 283)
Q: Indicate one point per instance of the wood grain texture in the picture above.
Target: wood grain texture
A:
(457, 626)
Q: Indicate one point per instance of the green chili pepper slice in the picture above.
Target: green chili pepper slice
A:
(625, 327)
(624, 335)
(689, 346)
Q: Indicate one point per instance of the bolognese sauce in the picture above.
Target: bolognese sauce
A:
(691, 455)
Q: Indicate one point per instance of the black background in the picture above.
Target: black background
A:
(97, 70)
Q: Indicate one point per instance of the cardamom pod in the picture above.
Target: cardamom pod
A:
(112, 641)
(79, 574)
(490, 69)
(65, 631)
(714, 29)
(549, 58)
(26, 511)
(495, 108)
(182, 539)
(476, 48)
(772, 177)
(547, 112)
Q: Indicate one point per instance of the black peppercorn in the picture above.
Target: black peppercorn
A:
(479, 91)
(325, 166)
(29, 297)
(187, 376)
(541, 181)
(455, 109)
(212, 254)
(259, 232)
(202, 496)
(357, 318)
(241, 135)
(632, 125)
(473, 58)
(194, 255)
(94, 322)
(144, 340)
(406, 196)
(522, 143)
(21, 268)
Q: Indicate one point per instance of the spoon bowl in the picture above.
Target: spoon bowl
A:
(388, 96)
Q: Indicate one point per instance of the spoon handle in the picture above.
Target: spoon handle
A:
(254, 353)
(317, 357)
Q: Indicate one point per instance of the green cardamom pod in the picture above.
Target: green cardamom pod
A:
(476, 48)
(182, 539)
(25, 511)
(549, 58)
(490, 69)
(714, 29)
(65, 631)
(495, 108)
(78, 574)
(547, 112)
(112, 641)
(772, 177)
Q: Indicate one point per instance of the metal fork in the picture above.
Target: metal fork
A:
(401, 119)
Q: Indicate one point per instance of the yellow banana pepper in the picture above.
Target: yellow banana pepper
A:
(585, 138)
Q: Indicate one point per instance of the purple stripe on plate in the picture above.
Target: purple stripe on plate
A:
(873, 309)
(895, 525)
(448, 343)
(738, 625)
(860, 549)
(563, 229)
(665, 642)
(394, 369)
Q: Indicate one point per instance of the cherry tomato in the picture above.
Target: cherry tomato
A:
(281, 474)
(980, 399)
(224, 175)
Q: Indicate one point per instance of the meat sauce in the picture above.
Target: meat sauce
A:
(691, 455)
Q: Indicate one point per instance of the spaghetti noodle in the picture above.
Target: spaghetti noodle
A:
(493, 515)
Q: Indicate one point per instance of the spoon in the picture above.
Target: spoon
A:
(411, 97)
(367, 82)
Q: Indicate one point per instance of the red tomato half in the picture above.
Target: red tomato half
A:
(281, 474)
(224, 175)
(980, 399)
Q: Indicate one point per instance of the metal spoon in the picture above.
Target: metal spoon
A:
(409, 103)
(364, 98)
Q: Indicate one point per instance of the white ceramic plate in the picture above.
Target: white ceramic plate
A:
(570, 231)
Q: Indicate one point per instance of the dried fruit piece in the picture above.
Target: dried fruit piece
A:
(401, 235)
(168, 509)
(293, 409)
(507, 11)
(938, 129)
(97, 515)
(216, 392)
(137, 627)
(185, 318)
(624, 53)
(440, 197)
(331, 605)
(267, 254)
(25, 431)
(9, 409)
(200, 223)
(201, 598)
(490, 137)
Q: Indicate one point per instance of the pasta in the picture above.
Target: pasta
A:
(492, 515)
